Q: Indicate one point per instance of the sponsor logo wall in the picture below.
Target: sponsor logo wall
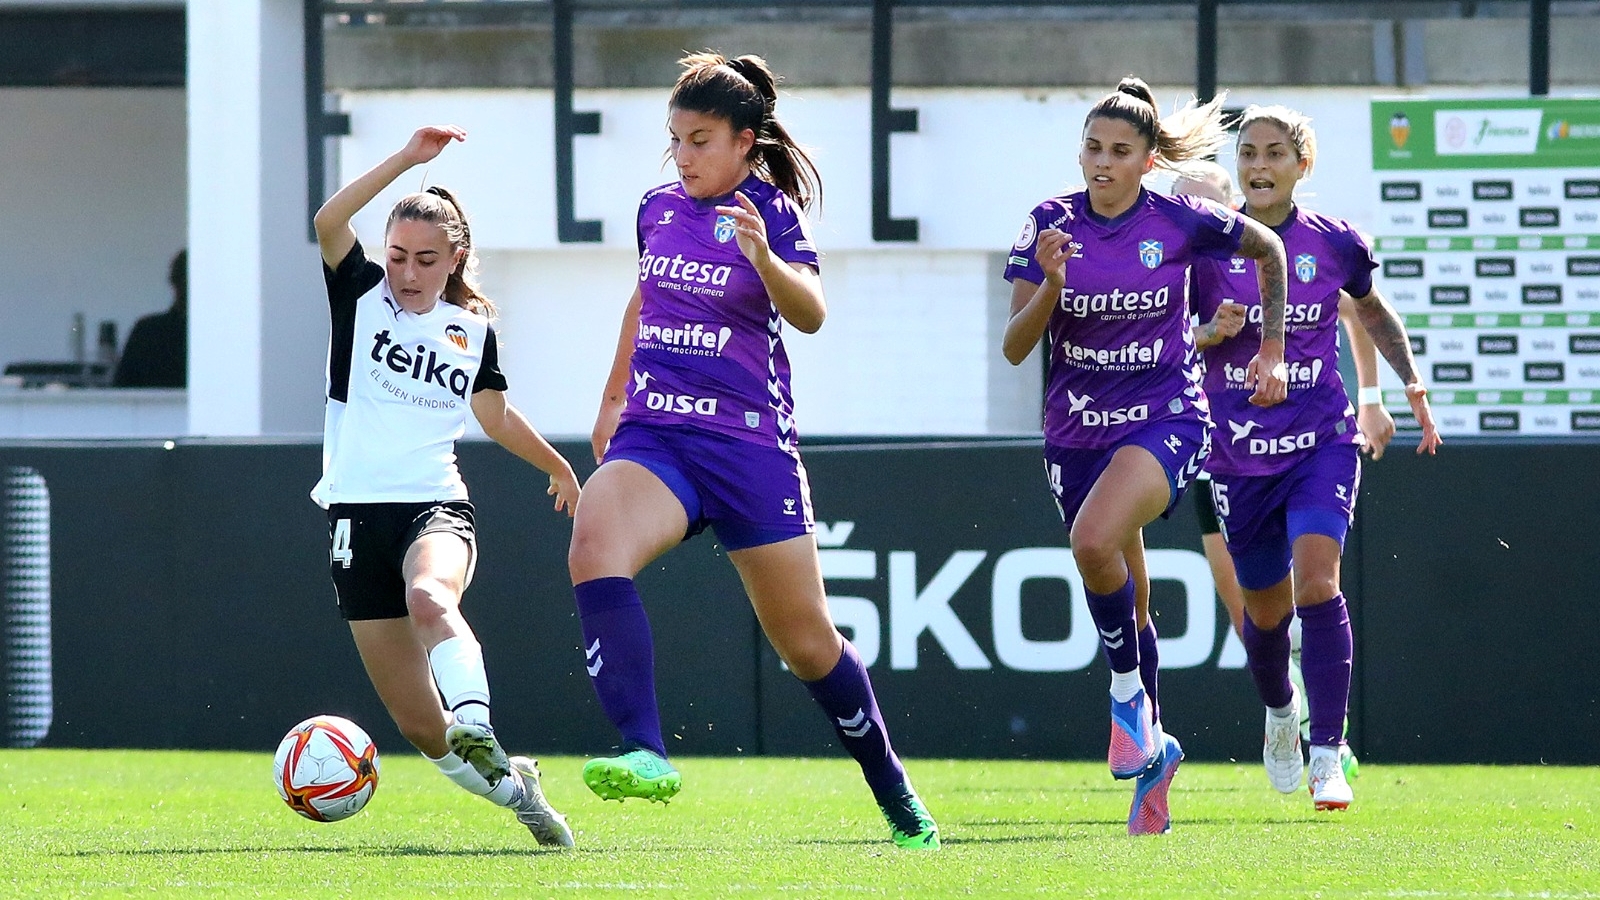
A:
(1488, 235)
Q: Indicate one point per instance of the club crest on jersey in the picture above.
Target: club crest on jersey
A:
(457, 335)
(723, 229)
(1150, 253)
(1305, 267)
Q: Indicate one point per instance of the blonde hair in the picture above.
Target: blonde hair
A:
(1193, 132)
(1295, 125)
(1204, 178)
(438, 206)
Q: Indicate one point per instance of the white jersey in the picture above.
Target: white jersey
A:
(399, 391)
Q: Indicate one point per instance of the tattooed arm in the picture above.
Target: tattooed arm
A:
(1267, 371)
(1388, 333)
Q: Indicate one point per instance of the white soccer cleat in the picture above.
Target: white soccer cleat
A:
(476, 744)
(1329, 789)
(549, 827)
(1280, 750)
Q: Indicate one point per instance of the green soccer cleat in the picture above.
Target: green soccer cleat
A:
(1348, 762)
(637, 773)
(909, 823)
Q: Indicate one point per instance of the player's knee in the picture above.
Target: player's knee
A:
(1309, 590)
(428, 601)
(1094, 552)
(812, 656)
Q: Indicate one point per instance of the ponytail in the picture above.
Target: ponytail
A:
(744, 91)
(437, 205)
(1192, 133)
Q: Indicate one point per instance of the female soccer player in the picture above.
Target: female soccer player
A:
(696, 428)
(413, 348)
(1285, 479)
(1211, 181)
(1126, 423)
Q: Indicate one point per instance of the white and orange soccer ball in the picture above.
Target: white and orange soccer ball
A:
(326, 768)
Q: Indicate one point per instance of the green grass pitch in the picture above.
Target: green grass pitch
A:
(186, 824)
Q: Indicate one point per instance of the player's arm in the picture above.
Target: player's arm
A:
(509, 428)
(1388, 333)
(335, 237)
(615, 396)
(1267, 372)
(1031, 304)
(1226, 323)
(1376, 425)
(795, 289)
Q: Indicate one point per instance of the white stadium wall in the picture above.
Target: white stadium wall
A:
(909, 342)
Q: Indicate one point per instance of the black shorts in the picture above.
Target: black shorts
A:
(367, 545)
(1205, 508)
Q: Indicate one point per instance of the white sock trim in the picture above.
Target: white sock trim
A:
(1125, 685)
(457, 665)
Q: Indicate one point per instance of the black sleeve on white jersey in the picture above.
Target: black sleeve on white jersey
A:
(355, 276)
(490, 378)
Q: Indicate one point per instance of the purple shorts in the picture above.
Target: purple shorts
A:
(748, 493)
(1180, 445)
(1263, 515)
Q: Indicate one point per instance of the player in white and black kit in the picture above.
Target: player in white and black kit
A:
(412, 351)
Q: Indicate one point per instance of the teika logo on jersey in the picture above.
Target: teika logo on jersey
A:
(1078, 404)
(1131, 356)
(1118, 304)
(422, 364)
(694, 338)
(1301, 374)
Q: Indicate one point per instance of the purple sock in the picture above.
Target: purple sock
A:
(1149, 662)
(1268, 655)
(845, 694)
(1326, 649)
(1113, 615)
(620, 657)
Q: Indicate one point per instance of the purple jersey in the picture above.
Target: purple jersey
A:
(1324, 256)
(709, 352)
(1121, 350)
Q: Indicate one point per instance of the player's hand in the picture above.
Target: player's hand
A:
(1377, 426)
(1052, 251)
(1267, 375)
(605, 425)
(564, 487)
(1417, 396)
(749, 229)
(1228, 320)
(429, 141)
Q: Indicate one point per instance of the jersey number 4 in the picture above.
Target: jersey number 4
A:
(340, 551)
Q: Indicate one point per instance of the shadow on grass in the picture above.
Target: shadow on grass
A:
(395, 851)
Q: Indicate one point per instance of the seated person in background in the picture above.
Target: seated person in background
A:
(157, 352)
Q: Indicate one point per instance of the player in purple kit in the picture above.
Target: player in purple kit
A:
(1285, 479)
(1105, 271)
(696, 428)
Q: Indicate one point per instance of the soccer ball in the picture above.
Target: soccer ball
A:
(326, 768)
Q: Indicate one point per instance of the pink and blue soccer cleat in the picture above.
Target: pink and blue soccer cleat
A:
(1134, 741)
(1149, 814)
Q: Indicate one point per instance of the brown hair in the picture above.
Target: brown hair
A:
(744, 91)
(1193, 132)
(1296, 125)
(438, 206)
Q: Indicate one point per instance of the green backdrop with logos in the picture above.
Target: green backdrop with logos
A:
(1489, 245)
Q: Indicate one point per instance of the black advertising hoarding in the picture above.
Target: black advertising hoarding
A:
(189, 606)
